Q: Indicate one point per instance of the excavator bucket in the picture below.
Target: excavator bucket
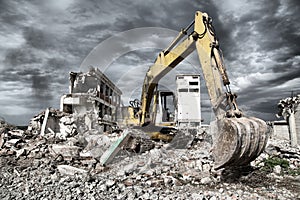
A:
(238, 141)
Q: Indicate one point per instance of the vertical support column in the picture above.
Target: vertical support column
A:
(292, 127)
(44, 125)
(72, 80)
(118, 100)
(289, 109)
(104, 91)
(98, 89)
(113, 97)
(113, 115)
(109, 95)
(297, 121)
(101, 90)
(102, 110)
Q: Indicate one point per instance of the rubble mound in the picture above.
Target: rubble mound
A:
(49, 166)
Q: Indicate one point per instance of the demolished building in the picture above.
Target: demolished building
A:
(290, 110)
(94, 95)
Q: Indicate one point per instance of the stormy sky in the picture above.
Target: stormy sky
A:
(42, 41)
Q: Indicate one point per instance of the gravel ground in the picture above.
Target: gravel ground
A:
(161, 173)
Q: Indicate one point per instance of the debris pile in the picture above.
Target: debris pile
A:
(52, 167)
(5, 127)
(53, 123)
(54, 133)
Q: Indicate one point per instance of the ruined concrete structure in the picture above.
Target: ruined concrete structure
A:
(94, 95)
(289, 108)
(281, 130)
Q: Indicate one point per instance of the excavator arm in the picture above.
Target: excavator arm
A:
(237, 139)
(203, 39)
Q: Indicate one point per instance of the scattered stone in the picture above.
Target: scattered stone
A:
(206, 180)
(206, 167)
(277, 169)
(69, 170)
(109, 183)
(1, 139)
(68, 152)
(20, 152)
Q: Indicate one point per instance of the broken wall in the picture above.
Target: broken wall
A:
(281, 130)
(289, 108)
(297, 122)
(93, 94)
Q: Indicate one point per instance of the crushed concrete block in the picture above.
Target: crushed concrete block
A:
(206, 167)
(20, 152)
(45, 122)
(13, 142)
(67, 120)
(65, 150)
(3, 152)
(62, 135)
(110, 183)
(9, 152)
(109, 154)
(70, 170)
(67, 127)
(2, 141)
(95, 145)
(130, 168)
(97, 140)
(96, 152)
(277, 169)
(88, 162)
(31, 146)
(52, 133)
(206, 180)
(16, 133)
(85, 154)
(182, 140)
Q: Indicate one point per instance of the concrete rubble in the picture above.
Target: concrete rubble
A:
(53, 167)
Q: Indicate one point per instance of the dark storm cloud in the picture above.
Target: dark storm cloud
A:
(281, 29)
(40, 42)
(20, 56)
(8, 13)
(269, 107)
(91, 28)
(38, 39)
(40, 85)
(134, 63)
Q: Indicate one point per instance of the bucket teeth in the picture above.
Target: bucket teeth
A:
(238, 141)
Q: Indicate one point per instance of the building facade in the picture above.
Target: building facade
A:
(94, 95)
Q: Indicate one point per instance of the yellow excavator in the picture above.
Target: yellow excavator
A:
(238, 139)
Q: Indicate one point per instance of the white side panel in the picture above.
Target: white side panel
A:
(71, 100)
(188, 97)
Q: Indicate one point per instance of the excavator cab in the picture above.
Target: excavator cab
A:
(164, 108)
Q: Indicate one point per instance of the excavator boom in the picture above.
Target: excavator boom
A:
(237, 139)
